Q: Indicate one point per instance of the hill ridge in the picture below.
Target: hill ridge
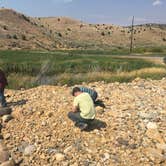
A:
(18, 31)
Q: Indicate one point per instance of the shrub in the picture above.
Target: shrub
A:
(59, 34)
(25, 18)
(68, 29)
(164, 60)
(14, 44)
(164, 39)
(102, 33)
(5, 27)
(8, 36)
(157, 49)
(23, 37)
(15, 36)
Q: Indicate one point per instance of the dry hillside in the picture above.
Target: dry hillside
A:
(18, 31)
(95, 35)
(130, 130)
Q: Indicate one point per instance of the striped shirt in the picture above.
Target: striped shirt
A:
(91, 92)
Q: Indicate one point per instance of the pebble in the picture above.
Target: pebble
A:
(7, 136)
(68, 149)
(152, 125)
(59, 156)
(29, 150)
(6, 118)
(106, 156)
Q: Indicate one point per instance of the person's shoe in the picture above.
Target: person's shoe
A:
(4, 105)
(81, 125)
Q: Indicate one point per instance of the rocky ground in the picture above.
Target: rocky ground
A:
(131, 130)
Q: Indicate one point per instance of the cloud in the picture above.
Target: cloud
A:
(157, 3)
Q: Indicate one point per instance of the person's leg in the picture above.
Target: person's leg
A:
(94, 97)
(3, 99)
(75, 116)
(79, 121)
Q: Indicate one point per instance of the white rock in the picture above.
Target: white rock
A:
(151, 125)
(6, 118)
(59, 156)
(29, 150)
(7, 136)
(161, 146)
(106, 156)
(68, 149)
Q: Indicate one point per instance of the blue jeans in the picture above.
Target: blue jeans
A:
(2, 98)
(94, 97)
(75, 117)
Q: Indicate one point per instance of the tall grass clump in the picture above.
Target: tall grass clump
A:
(31, 68)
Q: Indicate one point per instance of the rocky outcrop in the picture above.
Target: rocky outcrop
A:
(130, 130)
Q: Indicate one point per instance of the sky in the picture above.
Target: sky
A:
(117, 12)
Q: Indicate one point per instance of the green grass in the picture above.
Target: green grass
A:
(150, 49)
(30, 68)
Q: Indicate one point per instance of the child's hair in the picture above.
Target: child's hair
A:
(75, 89)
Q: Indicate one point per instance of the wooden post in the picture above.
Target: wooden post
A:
(132, 34)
